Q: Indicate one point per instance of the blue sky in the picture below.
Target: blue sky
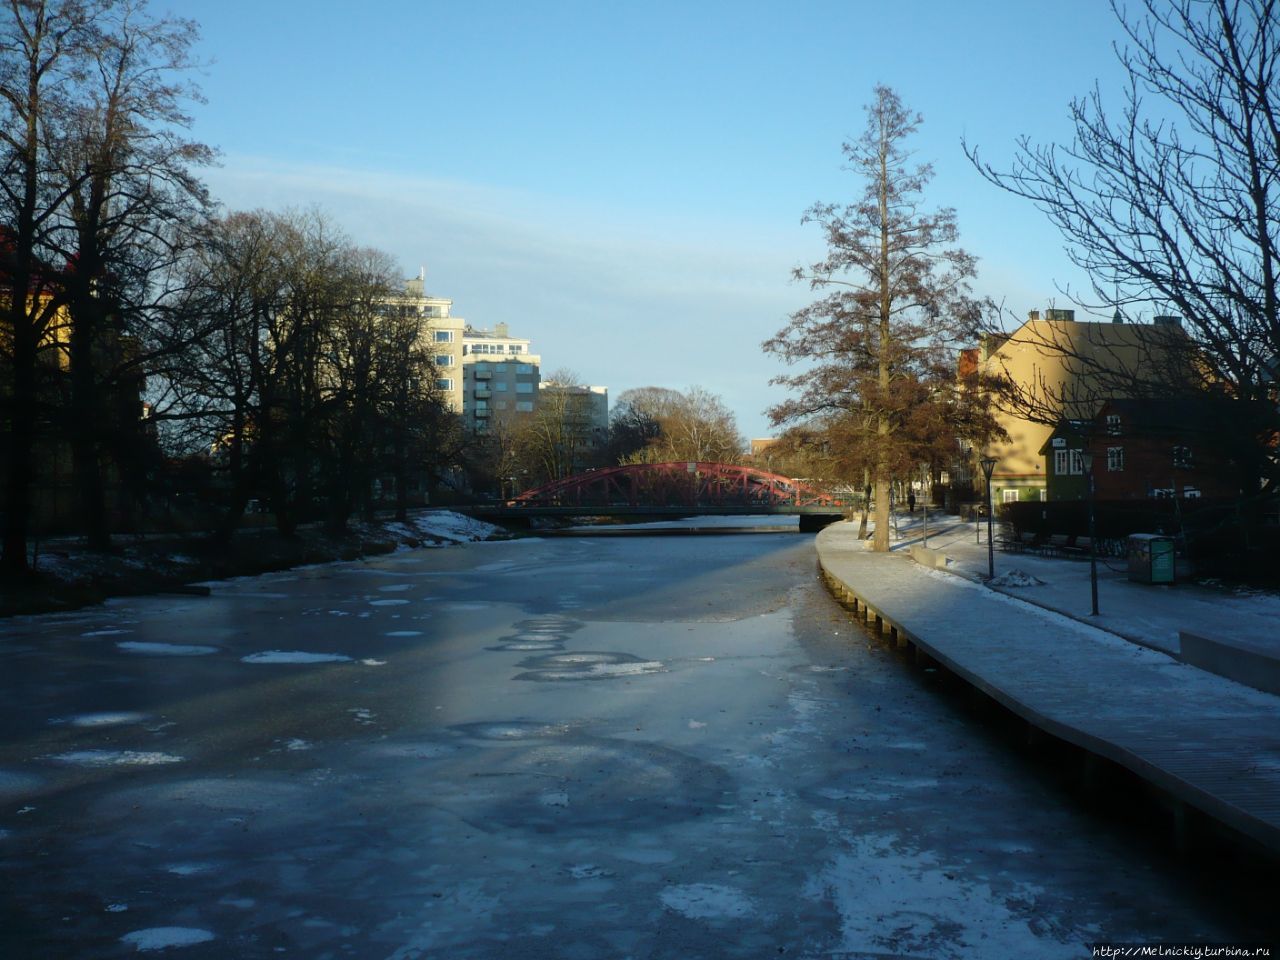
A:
(623, 182)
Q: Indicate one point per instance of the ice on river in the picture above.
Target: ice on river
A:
(294, 656)
(165, 649)
(162, 938)
(115, 758)
(898, 901)
(707, 901)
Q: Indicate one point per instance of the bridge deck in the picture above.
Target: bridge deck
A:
(502, 511)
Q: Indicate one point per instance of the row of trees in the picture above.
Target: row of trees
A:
(658, 425)
(313, 376)
(271, 340)
(563, 436)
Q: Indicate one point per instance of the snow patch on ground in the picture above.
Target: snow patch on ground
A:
(294, 656)
(707, 901)
(1016, 578)
(450, 526)
(403, 633)
(166, 649)
(388, 603)
(105, 633)
(115, 758)
(162, 938)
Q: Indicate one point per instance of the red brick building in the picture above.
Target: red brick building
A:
(1147, 448)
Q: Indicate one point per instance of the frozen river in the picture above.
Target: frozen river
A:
(673, 747)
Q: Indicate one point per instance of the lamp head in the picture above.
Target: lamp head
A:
(988, 464)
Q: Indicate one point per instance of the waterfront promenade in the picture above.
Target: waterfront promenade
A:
(1207, 743)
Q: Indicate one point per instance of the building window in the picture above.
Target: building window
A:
(1191, 493)
(525, 387)
(1115, 459)
(444, 384)
(515, 348)
(499, 404)
(1182, 458)
(1067, 463)
(1008, 496)
(524, 368)
(444, 360)
(524, 406)
(482, 404)
(1113, 424)
(444, 336)
(500, 386)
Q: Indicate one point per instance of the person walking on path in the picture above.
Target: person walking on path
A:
(911, 501)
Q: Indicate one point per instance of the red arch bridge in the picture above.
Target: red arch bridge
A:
(678, 489)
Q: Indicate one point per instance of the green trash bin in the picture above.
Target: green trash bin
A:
(1151, 558)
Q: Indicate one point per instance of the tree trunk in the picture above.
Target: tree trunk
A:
(20, 447)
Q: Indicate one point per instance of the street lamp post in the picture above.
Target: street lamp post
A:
(989, 464)
(1086, 458)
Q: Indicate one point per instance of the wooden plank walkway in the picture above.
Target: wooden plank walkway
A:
(1204, 740)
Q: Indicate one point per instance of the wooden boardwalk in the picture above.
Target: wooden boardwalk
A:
(1206, 742)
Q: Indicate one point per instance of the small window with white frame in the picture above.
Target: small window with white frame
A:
(444, 360)
(1113, 424)
(1115, 459)
(444, 383)
(1008, 496)
(444, 336)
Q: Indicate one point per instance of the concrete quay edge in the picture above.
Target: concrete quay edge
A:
(1196, 781)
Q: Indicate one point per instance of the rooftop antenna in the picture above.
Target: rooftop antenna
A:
(422, 273)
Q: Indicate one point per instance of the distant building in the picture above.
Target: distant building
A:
(500, 376)
(1066, 370)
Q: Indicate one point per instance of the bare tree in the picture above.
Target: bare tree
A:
(94, 178)
(127, 172)
(559, 439)
(1171, 203)
(874, 346)
(41, 44)
(657, 425)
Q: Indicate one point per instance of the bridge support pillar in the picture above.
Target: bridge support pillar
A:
(813, 522)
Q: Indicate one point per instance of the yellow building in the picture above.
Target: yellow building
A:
(1057, 367)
